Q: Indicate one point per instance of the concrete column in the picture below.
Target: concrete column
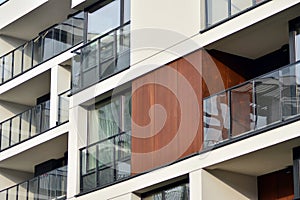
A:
(195, 178)
(77, 140)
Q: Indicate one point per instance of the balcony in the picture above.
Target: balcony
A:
(217, 11)
(51, 185)
(47, 45)
(101, 58)
(264, 102)
(105, 162)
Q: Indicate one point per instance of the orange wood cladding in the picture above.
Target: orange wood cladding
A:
(163, 135)
(276, 185)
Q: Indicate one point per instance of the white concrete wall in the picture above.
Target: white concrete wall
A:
(157, 25)
(10, 177)
(244, 184)
(8, 44)
(215, 189)
(8, 109)
(8, 12)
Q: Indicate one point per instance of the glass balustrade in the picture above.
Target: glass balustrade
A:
(269, 99)
(51, 185)
(47, 45)
(25, 125)
(101, 58)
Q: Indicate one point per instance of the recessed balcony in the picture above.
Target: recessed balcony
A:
(48, 44)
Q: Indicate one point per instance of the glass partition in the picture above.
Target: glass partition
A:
(253, 105)
(63, 107)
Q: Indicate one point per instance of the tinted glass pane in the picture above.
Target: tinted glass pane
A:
(38, 51)
(78, 24)
(106, 176)
(216, 119)
(22, 193)
(216, 11)
(8, 59)
(18, 61)
(126, 10)
(5, 128)
(45, 116)
(48, 49)
(267, 98)
(27, 56)
(12, 193)
(44, 186)
(25, 124)
(242, 117)
(36, 120)
(89, 181)
(33, 189)
(238, 5)
(15, 130)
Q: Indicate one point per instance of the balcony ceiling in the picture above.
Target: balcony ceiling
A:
(29, 26)
(29, 91)
(25, 161)
(260, 39)
(263, 161)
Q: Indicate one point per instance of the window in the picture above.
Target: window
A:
(218, 10)
(103, 18)
(2, 2)
(107, 157)
(174, 192)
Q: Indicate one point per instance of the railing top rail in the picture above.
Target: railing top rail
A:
(62, 93)
(103, 140)
(101, 36)
(251, 80)
(24, 112)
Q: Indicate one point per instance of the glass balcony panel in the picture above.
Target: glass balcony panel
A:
(8, 62)
(45, 116)
(216, 11)
(127, 10)
(123, 146)
(76, 73)
(18, 61)
(38, 50)
(216, 119)
(44, 184)
(15, 130)
(66, 38)
(106, 153)
(106, 176)
(242, 116)
(290, 99)
(103, 20)
(1, 69)
(22, 192)
(25, 125)
(36, 120)
(5, 130)
(3, 194)
(267, 97)
(89, 181)
(63, 110)
(127, 112)
(238, 5)
(123, 169)
(12, 193)
(90, 64)
(61, 182)
(57, 44)
(27, 55)
(53, 185)
(33, 189)
(78, 25)
(91, 158)
(48, 50)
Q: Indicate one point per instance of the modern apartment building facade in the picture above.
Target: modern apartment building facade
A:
(140, 100)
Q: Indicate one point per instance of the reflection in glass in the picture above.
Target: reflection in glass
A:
(217, 11)
(216, 119)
